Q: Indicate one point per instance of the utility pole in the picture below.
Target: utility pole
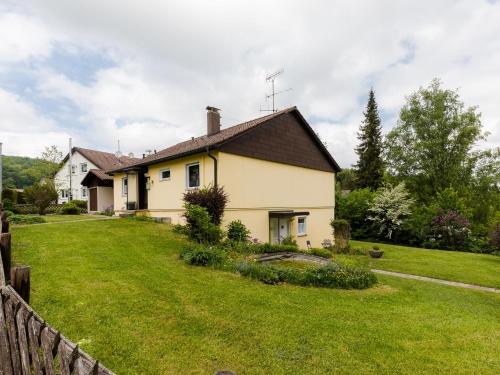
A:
(70, 167)
(271, 78)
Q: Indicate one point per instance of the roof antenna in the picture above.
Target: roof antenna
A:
(118, 152)
(271, 78)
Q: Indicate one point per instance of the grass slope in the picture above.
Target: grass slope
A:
(119, 289)
(479, 269)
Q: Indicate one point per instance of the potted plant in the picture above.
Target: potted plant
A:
(375, 252)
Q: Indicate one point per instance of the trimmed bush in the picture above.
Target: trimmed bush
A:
(70, 209)
(271, 248)
(212, 198)
(80, 203)
(25, 219)
(200, 228)
(262, 272)
(199, 255)
(237, 231)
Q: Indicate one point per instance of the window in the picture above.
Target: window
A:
(301, 226)
(165, 175)
(124, 186)
(73, 169)
(64, 193)
(83, 167)
(84, 192)
(193, 176)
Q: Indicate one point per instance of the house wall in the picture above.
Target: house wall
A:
(120, 199)
(256, 187)
(104, 197)
(62, 177)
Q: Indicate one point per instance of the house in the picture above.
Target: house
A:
(88, 177)
(279, 177)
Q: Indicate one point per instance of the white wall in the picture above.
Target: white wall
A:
(62, 177)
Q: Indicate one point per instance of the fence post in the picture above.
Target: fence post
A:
(6, 256)
(20, 281)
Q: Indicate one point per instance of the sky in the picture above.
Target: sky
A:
(142, 72)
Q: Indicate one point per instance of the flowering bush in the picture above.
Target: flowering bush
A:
(450, 230)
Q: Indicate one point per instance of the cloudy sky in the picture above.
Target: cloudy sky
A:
(144, 71)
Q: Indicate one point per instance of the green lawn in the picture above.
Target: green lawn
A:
(119, 289)
(54, 218)
(480, 269)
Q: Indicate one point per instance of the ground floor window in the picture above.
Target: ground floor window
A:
(124, 186)
(301, 226)
(64, 193)
(193, 176)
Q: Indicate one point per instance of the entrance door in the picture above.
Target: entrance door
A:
(279, 229)
(93, 199)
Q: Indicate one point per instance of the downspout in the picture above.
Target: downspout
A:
(215, 165)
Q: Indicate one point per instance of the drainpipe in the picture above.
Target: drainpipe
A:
(215, 165)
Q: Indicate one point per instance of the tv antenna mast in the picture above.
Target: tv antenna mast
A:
(271, 78)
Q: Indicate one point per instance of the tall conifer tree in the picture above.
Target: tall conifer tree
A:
(369, 168)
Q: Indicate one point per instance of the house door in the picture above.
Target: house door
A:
(279, 229)
(93, 199)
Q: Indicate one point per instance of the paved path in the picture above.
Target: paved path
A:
(438, 281)
(68, 221)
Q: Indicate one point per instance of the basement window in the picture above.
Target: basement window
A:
(165, 175)
(193, 176)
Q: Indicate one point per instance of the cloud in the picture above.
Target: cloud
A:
(144, 74)
(22, 127)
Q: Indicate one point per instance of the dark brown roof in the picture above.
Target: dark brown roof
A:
(104, 160)
(200, 144)
(97, 177)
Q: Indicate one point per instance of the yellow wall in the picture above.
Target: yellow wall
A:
(256, 187)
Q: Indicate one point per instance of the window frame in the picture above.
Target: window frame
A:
(188, 166)
(304, 232)
(84, 192)
(64, 193)
(73, 169)
(86, 167)
(124, 186)
(161, 174)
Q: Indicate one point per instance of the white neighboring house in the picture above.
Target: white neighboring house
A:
(83, 161)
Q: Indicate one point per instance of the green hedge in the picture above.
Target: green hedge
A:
(200, 255)
(26, 219)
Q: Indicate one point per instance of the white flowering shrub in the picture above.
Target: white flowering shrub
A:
(389, 208)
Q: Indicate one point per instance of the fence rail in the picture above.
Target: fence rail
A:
(28, 344)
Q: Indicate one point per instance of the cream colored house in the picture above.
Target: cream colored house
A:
(279, 176)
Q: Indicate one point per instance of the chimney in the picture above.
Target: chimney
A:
(213, 121)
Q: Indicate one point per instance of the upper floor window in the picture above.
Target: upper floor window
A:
(193, 176)
(83, 167)
(124, 186)
(301, 226)
(73, 169)
(84, 192)
(165, 175)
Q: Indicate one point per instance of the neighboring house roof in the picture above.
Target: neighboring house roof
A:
(103, 160)
(200, 144)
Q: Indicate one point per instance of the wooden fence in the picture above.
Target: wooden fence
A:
(28, 345)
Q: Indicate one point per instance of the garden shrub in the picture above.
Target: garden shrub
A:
(200, 255)
(26, 219)
(263, 272)
(200, 228)
(272, 248)
(354, 207)
(212, 198)
(450, 231)
(70, 209)
(8, 213)
(495, 237)
(80, 203)
(341, 233)
(237, 231)
(324, 253)
(41, 195)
